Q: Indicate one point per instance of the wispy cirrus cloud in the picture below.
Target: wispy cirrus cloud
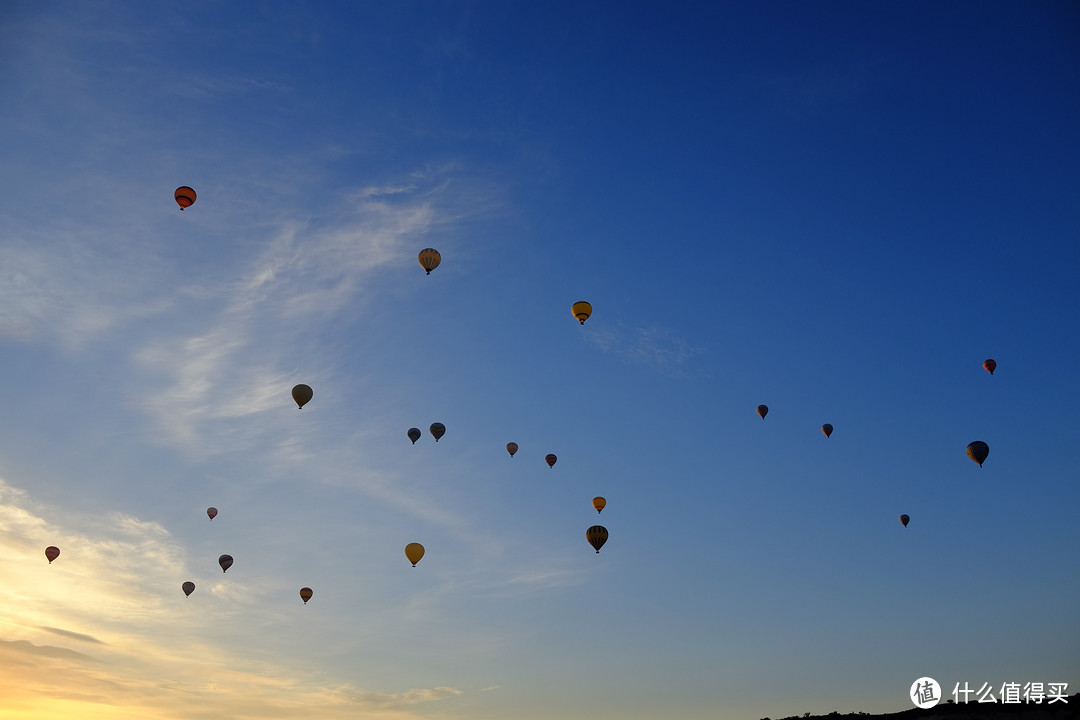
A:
(650, 345)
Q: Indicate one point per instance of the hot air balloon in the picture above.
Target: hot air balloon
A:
(305, 594)
(52, 552)
(599, 503)
(437, 430)
(511, 447)
(212, 512)
(762, 410)
(225, 561)
(429, 259)
(978, 451)
(550, 458)
(414, 434)
(185, 196)
(990, 365)
(597, 536)
(827, 429)
(904, 520)
(582, 310)
(414, 551)
(188, 588)
(302, 394)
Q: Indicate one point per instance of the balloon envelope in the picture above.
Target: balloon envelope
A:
(188, 588)
(978, 451)
(762, 410)
(904, 520)
(185, 196)
(599, 503)
(429, 259)
(302, 394)
(827, 429)
(597, 536)
(305, 594)
(511, 447)
(550, 459)
(212, 512)
(582, 310)
(414, 551)
(414, 434)
(437, 430)
(990, 365)
(52, 552)
(225, 561)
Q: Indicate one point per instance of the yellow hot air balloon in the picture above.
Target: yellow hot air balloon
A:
(305, 594)
(302, 395)
(599, 503)
(511, 447)
(827, 429)
(597, 536)
(188, 588)
(429, 259)
(978, 451)
(762, 410)
(414, 551)
(582, 310)
(185, 196)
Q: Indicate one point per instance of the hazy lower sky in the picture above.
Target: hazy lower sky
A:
(836, 209)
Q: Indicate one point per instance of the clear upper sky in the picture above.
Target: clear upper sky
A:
(837, 209)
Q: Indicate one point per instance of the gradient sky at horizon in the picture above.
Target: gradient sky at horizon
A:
(838, 209)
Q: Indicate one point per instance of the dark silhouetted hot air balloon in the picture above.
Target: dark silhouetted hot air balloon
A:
(302, 394)
(551, 459)
(599, 503)
(978, 451)
(185, 196)
(762, 410)
(188, 588)
(429, 259)
(211, 512)
(52, 552)
(225, 561)
(990, 365)
(582, 310)
(414, 551)
(511, 447)
(305, 594)
(597, 536)
(827, 429)
(437, 430)
(904, 520)
(414, 434)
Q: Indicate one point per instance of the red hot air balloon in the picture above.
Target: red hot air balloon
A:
(184, 196)
(52, 552)
(211, 512)
(989, 365)
(188, 588)
(551, 459)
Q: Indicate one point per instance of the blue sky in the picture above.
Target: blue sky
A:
(836, 209)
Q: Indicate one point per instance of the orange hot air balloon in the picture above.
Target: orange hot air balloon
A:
(978, 451)
(904, 520)
(582, 310)
(414, 551)
(597, 536)
(990, 365)
(414, 434)
(429, 259)
(185, 196)
(302, 395)
(599, 503)
(511, 447)
(212, 512)
(827, 429)
(551, 459)
(225, 561)
(437, 430)
(52, 552)
(762, 410)
(188, 588)
(305, 594)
